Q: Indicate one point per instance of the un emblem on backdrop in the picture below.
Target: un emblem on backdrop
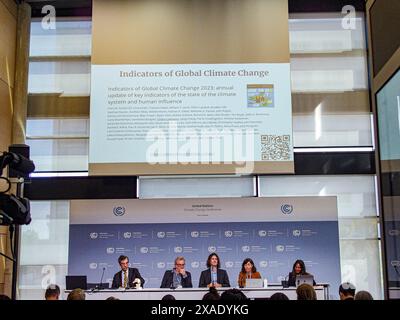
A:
(161, 234)
(93, 235)
(119, 211)
(287, 209)
(194, 234)
(127, 235)
(212, 249)
(228, 234)
(296, 233)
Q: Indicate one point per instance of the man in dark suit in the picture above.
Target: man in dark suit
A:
(213, 276)
(178, 276)
(127, 277)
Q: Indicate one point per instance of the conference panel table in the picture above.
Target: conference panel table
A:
(322, 291)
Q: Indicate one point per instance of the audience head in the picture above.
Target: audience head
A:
(363, 295)
(248, 266)
(4, 297)
(213, 260)
(347, 291)
(299, 267)
(77, 294)
(52, 292)
(123, 262)
(168, 297)
(279, 296)
(211, 295)
(112, 298)
(306, 292)
(233, 295)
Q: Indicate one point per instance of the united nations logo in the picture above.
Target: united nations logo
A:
(93, 235)
(161, 265)
(395, 263)
(263, 264)
(229, 264)
(246, 248)
(262, 233)
(280, 248)
(296, 233)
(119, 211)
(195, 264)
(127, 235)
(93, 265)
(144, 249)
(110, 250)
(228, 234)
(178, 249)
(287, 209)
(212, 249)
(161, 234)
(194, 234)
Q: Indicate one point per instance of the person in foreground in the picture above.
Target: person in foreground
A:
(178, 277)
(363, 295)
(299, 268)
(347, 291)
(77, 294)
(52, 292)
(306, 292)
(214, 276)
(127, 277)
(248, 271)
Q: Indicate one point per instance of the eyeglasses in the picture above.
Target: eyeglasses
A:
(179, 264)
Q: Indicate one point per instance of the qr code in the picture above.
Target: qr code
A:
(275, 147)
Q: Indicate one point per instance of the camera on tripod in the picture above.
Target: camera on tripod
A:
(14, 209)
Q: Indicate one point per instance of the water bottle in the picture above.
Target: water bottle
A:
(265, 283)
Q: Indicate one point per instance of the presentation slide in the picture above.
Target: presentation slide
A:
(190, 92)
(191, 114)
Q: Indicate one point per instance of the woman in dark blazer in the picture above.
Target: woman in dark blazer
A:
(299, 268)
(214, 276)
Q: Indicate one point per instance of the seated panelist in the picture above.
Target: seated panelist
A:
(299, 268)
(213, 276)
(127, 277)
(248, 271)
(178, 277)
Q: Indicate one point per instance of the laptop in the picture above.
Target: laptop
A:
(254, 283)
(304, 278)
(76, 282)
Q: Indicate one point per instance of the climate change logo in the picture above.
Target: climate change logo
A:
(287, 209)
(161, 234)
(178, 249)
(228, 234)
(194, 234)
(229, 264)
(195, 264)
(144, 250)
(212, 249)
(119, 211)
(127, 235)
(161, 265)
(93, 235)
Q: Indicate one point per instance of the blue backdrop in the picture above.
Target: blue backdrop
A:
(274, 246)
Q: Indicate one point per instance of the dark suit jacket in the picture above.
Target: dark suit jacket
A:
(132, 274)
(292, 279)
(222, 278)
(168, 279)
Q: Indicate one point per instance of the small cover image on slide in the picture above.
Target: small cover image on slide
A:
(260, 95)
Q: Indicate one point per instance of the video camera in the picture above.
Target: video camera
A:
(14, 209)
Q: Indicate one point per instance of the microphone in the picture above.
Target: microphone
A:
(99, 286)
